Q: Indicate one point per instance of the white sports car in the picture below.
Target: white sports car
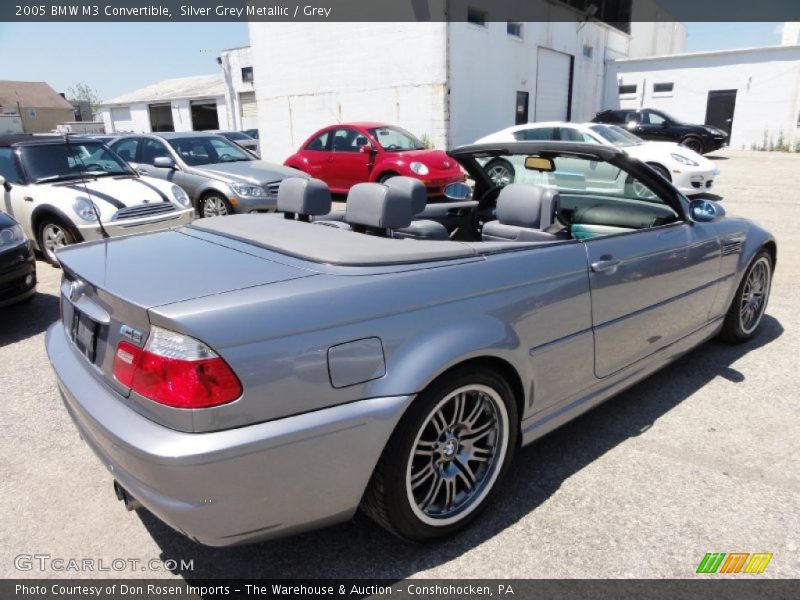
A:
(68, 190)
(688, 171)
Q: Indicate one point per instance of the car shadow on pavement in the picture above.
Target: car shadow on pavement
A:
(361, 549)
(28, 318)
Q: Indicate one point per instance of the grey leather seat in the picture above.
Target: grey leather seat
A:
(374, 208)
(302, 198)
(422, 229)
(523, 214)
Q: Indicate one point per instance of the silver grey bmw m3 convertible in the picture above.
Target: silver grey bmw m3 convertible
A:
(250, 376)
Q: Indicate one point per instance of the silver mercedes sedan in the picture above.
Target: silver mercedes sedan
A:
(253, 376)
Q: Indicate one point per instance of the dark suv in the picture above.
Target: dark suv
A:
(658, 126)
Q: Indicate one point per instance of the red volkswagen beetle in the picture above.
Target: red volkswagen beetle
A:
(349, 153)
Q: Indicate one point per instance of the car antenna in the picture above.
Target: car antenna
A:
(103, 231)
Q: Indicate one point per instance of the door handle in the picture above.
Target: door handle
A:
(142, 171)
(606, 266)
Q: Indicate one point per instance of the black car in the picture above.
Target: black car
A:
(17, 263)
(658, 126)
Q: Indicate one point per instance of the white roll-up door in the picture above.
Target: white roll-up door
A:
(552, 86)
(248, 110)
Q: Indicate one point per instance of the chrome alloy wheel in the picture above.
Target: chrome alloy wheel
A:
(53, 237)
(500, 175)
(214, 206)
(457, 455)
(754, 296)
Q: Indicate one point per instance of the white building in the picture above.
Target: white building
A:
(753, 93)
(183, 104)
(240, 95)
(451, 82)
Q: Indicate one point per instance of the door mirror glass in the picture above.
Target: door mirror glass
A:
(164, 162)
(705, 211)
(457, 191)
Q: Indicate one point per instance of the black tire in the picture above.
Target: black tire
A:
(742, 322)
(693, 143)
(384, 177)
(390, 498)
(53, 233)
(660, 170)
(494, 169)
(214, 204)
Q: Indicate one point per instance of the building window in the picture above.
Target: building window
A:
(521, 112)
(247, 74)
(588, 51)
(627, 90)
(477, 17)
(663, 88)
(514, 29)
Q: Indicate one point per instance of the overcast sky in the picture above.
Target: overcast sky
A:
(115, 58)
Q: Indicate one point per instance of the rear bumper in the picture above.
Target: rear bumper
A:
(17, 274)
(237, 485)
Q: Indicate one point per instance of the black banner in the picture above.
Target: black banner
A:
(610, 11)
(744, 588)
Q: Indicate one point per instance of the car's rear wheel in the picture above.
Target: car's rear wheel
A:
(500, 171)
(446, 458)
(53, 234)
(750, 301)
(693, 143)
(215, 205)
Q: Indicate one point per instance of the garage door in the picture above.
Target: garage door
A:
(553, 76)
(249, 110)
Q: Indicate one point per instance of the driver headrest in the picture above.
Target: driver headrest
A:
(530, 206)
(304, 196)
(413, 188)
(377, 205)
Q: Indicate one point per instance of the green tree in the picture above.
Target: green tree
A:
(82, 91)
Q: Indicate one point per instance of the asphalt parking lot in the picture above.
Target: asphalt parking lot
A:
(702, 457)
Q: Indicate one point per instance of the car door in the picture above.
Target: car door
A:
(317, 155)
(655, 127)
(151, 149)
(19, 200)
(348, 164)
(652, 274)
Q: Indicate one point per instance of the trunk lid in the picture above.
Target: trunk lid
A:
(109, 286)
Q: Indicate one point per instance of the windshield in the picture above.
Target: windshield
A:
(208, 150)
(616, 135)
(236, 136)
(393, 139)
(60, 162)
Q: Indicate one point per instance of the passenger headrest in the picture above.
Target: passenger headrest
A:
(304, 196)
(413, 188)
(377, 205)
(529, 206)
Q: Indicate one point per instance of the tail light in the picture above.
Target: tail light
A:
(176, 370)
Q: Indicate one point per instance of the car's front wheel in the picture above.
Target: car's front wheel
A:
(500, 171)
(747, 309)
(215, 205)
(446, 457)
(53, 234)
(693, 143)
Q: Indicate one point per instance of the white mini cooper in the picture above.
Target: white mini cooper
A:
(68, 190)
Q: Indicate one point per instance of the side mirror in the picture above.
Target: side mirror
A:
(366, 149)
(457, 191)
(6, 186)
(631, 124)
(705, 211)
(665, 124)
(164, 162)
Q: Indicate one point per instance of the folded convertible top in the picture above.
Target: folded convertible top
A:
(322, 244)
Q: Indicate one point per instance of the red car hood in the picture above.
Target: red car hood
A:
(434, 159)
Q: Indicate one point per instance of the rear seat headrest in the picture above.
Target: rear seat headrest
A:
(524, 205)
(377, 205)
(412, 187)
(304, 196)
